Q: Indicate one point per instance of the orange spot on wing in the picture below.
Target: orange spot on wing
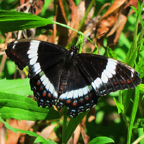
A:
(115, 83)
(101, 63)
(68, 101)
(74, 103)
(14, 53)
(123, 82)
(81, 101)
(133, 79)
(86, 98)
(22, 60)
(38, 83)
(44, 94)
(17, 56)
(49, 95)
(129, 81)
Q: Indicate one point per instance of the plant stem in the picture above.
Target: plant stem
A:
(85, 16)
(138, 140)
(64, 127)
(133, 114)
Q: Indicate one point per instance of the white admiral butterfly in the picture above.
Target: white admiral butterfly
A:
(65, 78)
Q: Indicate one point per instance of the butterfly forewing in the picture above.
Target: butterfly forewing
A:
(34, 54)
(106, 74)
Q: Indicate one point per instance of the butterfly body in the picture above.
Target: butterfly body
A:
(65, 78)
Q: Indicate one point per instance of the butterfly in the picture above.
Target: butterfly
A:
(65, 78)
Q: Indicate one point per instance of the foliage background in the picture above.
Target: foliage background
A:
(103, 120)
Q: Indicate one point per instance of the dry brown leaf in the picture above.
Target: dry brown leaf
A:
(35, 7)
(2, 133)
(84, 135)
(113, 21)
(12, 137)
(113, 8)
(63, 32)
(83, 122)
(62, 10)
(29, 124)
(74, 20)
(46, 132)
(75, 137)
(66, 35)
(91, 118)
(42, 38)
(133, 3)
(108, 20)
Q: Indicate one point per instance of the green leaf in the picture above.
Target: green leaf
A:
(142, 40)
(77, 2)
(141, 21)
(80, 42)
(18, 86)
(13, 21)
(101, 140)
(139, 123)
(110, 53)
(40, 138)
(126, 96)
(133, 114)
(140, 67)
(73, 124)
(20, 21)
(11, 68)
(142, 48)
(134, 9)
(131, 55)
(141, 88)
(120, 106)
(24, 108)
(95, 51)
(45, 6)
(124, 40)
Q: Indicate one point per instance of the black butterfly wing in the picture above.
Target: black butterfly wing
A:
(92, 76)
(45, 61)
(106, 74)
(37, 55)
(78, 83)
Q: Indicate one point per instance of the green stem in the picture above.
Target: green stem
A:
(64, 133)
(85, 16)
(133, 114)
(141, 36)
(123, 113)
(138, 140)
(66, 26)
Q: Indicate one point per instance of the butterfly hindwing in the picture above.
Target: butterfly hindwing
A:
(46, 85)
(79, 95)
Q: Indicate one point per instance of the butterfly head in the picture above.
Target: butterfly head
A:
(74, 49)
